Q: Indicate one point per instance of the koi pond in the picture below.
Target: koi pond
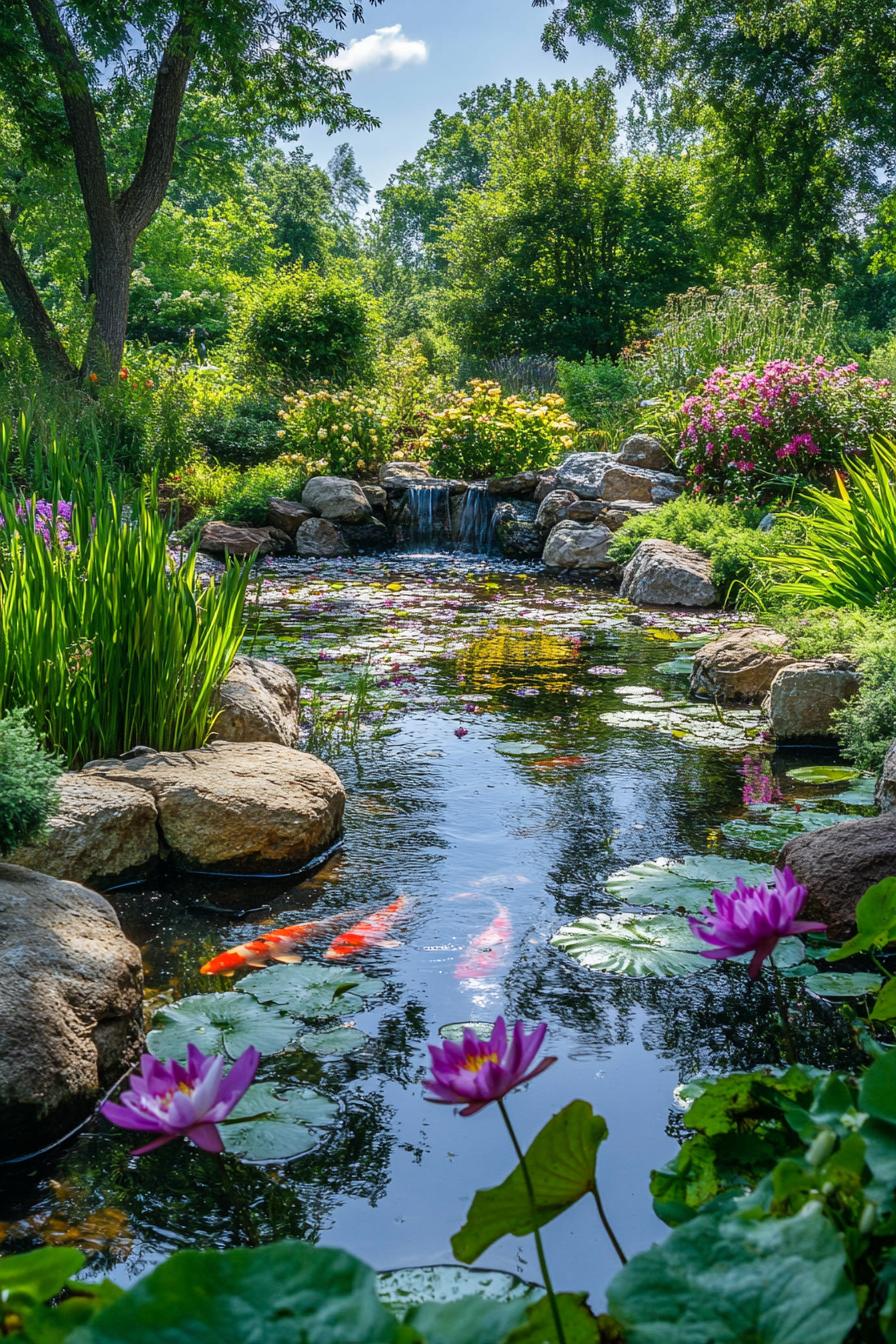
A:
(518, 751)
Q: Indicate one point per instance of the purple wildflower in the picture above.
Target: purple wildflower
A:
(477, 1072)
(174, 1102)
(753, 919)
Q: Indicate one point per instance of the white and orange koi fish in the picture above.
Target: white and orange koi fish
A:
(370, 932)
(487, 949)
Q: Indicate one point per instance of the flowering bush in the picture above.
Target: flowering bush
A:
(50, 519)
(480, 432)
(766, 431)
(342, 433)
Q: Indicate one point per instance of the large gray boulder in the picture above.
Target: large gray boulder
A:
(258, 701)
(520, 486)
(319, 539)
(398, 476)
(804, 696)
(649, 487)
(518, 537)
(287, 515)
(336, 498)
(885, 795)
(663, 574)
(738, 668)
(642, 450)
(583, 473)
(578, 546)
(838, 864)
(102, 831)
(71, 1005)
(237, 807)
(554, 508)
(219, 538)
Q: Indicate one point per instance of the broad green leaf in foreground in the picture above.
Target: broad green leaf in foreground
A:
(885, 1007)
(36, 1276)
(560, 1162)
(284, 1293)
(875, 921)
(633, 944)
(682, 884)
(470, 1320)
(730, 1279)
(579, 1325)
(266, 1126)
(312, 990)
(219, 1024)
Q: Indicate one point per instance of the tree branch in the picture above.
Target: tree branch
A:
(28, 307)
(139, 202)
(90, 158)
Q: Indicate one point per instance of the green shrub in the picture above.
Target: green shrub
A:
(28, 776)
(234, 495)
(728, 536)
(307, 327)
(103, 637)
(240, 432)
(600, 395)
(847, 555)
(867, 725)
(480, 433)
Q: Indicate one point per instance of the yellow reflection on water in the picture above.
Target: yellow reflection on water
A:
(504, 656)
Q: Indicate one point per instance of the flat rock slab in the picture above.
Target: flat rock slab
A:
(663, 574)
(237, 807)
(102, 831)
(219, 538)
(71, 1005)
(258, 701)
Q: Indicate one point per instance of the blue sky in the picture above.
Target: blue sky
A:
(414, 56)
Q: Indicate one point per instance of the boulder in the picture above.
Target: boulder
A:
(578, 546)
(838, 864)
(101, 832)
(547, 481)
(619, 512)
(71, 1005)
(219, 538)
(885, 795)
(588, 511)
(520, 486)
(649, 487)
(237, 807)
(803, 697)
(258, 701)
(376, 497)
(554, 508)
(336, 498)
(287, 515)
(396, 476)
(642, 450)
(373, 535)
(663, 574)
(319, 538)
(583, 473)
(739, 668)
(518, 538)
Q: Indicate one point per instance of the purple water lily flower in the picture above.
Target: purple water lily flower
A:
(753, 919)
(174, 1102)
(476, 1072)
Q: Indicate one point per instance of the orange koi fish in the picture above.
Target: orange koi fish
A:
(487, 949)
(560, 763)
(278, 945)
(370, 932)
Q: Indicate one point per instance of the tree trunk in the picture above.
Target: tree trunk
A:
(31, 314)
(111, 285)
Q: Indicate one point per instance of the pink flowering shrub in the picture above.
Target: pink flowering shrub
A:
(761, 433)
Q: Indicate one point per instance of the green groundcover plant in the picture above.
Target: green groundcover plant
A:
(28, 777)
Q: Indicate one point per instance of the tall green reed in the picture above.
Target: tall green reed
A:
(847, 556)
(112, 643)
(50, 466)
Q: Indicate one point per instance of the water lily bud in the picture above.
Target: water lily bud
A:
(868, 1218)
(821, 1147)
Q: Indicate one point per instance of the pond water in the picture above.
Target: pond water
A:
(579, 757)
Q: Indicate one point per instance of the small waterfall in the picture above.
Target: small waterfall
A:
(475, 525)
(429, 516)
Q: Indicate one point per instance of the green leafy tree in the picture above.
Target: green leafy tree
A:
(71, 78)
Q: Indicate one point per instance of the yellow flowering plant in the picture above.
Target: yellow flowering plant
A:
(343, 433)
(481, 432)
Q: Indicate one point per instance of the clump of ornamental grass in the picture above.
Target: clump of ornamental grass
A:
(28, 776)
(106, 637)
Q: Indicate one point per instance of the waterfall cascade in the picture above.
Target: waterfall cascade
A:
(429, 516)
(475, 523)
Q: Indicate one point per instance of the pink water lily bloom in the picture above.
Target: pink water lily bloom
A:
(476, 1072)
(753, 919)
(174, 1102)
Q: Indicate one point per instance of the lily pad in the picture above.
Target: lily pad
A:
(509, 748)
(677, 667)
(334, 1041)
(698, 725)
(219, 1024)
(267, 1127)
(779, 826)
(454, 1031)
(824, 774)
(312, 990)
(400, 1288)
(841, 985)
(682, 884)
(633, 944)
(860, 794)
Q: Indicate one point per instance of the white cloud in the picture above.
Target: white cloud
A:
(385, 48)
